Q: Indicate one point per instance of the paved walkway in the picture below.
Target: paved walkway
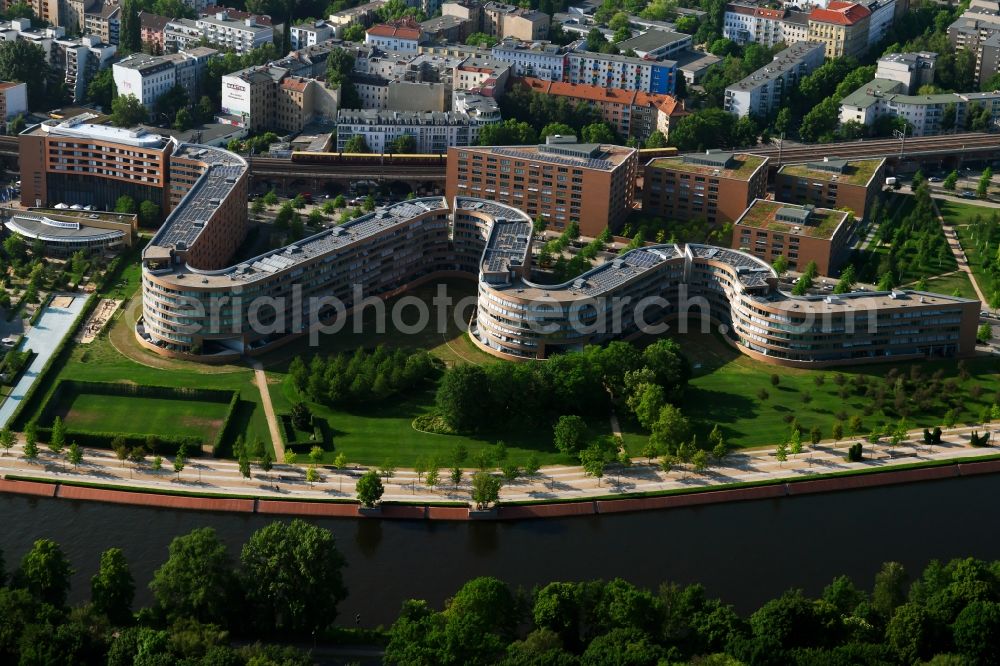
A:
(956, 249)
(208, 476)
(272, 419)
(43, 338)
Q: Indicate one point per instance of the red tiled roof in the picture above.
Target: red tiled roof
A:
(590, 93)
(383, 30)
(741, 9)
(296, 84)
(840, 13)
(763, 12)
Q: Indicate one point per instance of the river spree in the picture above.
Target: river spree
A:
(744, 552)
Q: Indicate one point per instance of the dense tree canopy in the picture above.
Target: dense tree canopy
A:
(291, 573)
(22, 60)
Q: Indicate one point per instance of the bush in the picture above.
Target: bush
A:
(855, 453)
(433, 423)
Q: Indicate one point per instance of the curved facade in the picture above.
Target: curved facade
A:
(193, 303)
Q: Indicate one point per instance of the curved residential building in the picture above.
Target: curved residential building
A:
(196, 303)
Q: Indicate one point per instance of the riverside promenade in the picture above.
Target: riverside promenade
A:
(211, 484)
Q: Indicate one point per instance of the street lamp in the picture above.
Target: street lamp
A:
(901, 135)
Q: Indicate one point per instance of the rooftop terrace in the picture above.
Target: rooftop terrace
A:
(856, 172)
(743, 166)
(819, 223)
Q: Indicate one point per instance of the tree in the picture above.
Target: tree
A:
(130, 30)
(984, 333)
(112, 588)
(656, 140)
(982, 190)
(594, 459)
(172, 101)
(670, 429)
(149, 213)
(244, 464)
(456, 476)
(290, 457)
(292, 577)
(125, 204)
(45, 573)
(17, 124)
(890, 589)
(977, 632)
(101, 90)
(569, 433)
(127, 111)
(197, 580)
(357, 144)
(404, 144)
(950, 181)
(553, 129)
(597, 133)
(31, 441)
(485, 489)
(7, 439)
(819, 123)
(780, 264)
(179, 463)
(183, 120)
(74, 455)
(781, 452)
(57, 440)
(908, 633)
(507, 133)
(22, 60)
(369, 488)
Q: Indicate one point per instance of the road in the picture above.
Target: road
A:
(210, 476)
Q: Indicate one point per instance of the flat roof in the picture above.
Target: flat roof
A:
(856, 172)
(611, 157)
(812, 222)
(653, 39)
(745, 165)
(77, 127)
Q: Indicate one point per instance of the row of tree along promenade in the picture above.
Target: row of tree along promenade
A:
(483, 489)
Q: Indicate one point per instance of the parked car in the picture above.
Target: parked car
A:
(968, 194)
(933, 179)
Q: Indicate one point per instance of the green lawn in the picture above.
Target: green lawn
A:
(961, 216)
(384, 432)
(142, 415)
(868, 262)
(947, 284)
(725, 385)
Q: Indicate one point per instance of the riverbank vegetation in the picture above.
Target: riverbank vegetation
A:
(287, 584)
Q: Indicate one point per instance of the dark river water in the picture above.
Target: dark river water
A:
(744, 552)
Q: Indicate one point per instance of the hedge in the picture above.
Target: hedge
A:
(38, 311)
(166, 444)
(16, 419)
(102, 440)
(226, 433)
(320, 432)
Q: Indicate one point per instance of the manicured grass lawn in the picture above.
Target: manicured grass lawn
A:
(961, 215)
(383, 432)
(947, 284)
(142, 415)
(725, 385)
(99, 361)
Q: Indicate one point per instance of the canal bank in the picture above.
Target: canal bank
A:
(745, 552)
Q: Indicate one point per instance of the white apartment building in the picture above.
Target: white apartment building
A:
(541, 62)
(911, 69)
(924, 113)
(434, 132)
(883, 12)
(617, 71)
(13, 99)
(240, 36)
(762, 93)
(148, 77)
(310, 34)
(745, 22)
(403, 36)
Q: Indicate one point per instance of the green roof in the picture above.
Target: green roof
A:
(862, 97)
(745, 166)
(822, 223)
(858, 172)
